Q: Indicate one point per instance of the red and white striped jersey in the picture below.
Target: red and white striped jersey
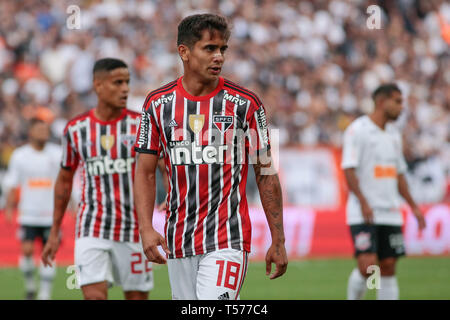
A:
(208, 142)
(104, 150)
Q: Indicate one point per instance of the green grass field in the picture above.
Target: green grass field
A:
(418, 277)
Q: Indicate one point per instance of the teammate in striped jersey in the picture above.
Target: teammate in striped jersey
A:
(107, 245)
(210, 130)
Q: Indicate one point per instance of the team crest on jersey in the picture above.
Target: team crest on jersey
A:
(196, 122)
(107, 141)
(363, 241)
(222, 122)
(128, 140)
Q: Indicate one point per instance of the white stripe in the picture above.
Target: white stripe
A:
(79, 150)
(211, 104)
(121, 191)
(131, 192)
(173, 168)
(197, 184)
(185, 124)
(96, 206)
(102, 225)
(216, 233)
(86, 177)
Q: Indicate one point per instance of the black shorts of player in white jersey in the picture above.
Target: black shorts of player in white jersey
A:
(30, 233)
(386, 241)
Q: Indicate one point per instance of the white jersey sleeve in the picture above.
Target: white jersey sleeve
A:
(13, 175)
(352, 147)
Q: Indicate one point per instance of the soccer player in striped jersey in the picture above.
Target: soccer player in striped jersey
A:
(100, 141)
(210, 130)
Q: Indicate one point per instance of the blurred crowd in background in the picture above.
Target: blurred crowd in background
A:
(314, 64)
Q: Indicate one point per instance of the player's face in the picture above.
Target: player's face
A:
(39, 132)
(207, 56)
(393, 106)
(112, 87)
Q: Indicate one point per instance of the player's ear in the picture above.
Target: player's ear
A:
(184, 51)
(97, 83)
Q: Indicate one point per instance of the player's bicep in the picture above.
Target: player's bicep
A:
(146, 164)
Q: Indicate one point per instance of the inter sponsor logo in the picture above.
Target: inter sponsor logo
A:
(105, 165)
(186, 152)
(234, 99)
(163, 99)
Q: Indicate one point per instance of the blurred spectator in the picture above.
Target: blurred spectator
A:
(313, 63)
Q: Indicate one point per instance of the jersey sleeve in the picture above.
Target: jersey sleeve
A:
(147, 139)
(401, 162)
(258, 131)
(70, 158)
(12, 178)
(351, 150)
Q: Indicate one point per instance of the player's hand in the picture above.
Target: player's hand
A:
(151, 239)
(420, 218)
(367, 212)
(51, 247)
(276, 254)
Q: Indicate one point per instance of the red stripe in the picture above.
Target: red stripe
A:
(243, 211)
(133, 130)
(83, 200)
(203, 187)
(69, 163)
(98, 205)
(226, 190)
(182, 185)
(181, 181)
(116, 184)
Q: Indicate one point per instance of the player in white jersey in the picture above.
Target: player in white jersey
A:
(374, 168)
(32, 171)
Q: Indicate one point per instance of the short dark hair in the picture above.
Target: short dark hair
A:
(108, 64)
(385, 90)
(190, 28)
(34, 121)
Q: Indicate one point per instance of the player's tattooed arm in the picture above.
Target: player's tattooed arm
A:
(144, 193)
(272, 201)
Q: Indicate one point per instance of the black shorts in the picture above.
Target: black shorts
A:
(30, 233)
(385, 241)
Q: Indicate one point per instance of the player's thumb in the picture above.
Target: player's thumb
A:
(163, 244)
(268, 266)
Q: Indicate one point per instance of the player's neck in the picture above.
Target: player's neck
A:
(195, 87)
(104, 112)
(37, 145)
(379, 119)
